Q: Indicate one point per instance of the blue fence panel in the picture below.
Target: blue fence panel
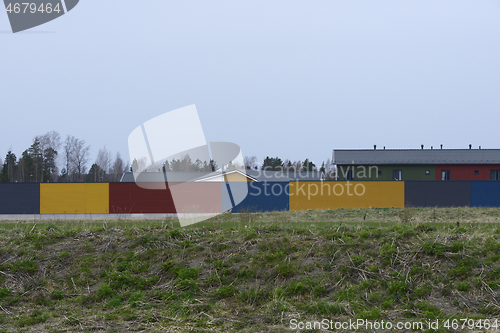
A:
(485, 193)
(19, 198)
(265, 197)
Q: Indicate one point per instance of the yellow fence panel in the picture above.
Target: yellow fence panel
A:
(345, 194)
(71, 198)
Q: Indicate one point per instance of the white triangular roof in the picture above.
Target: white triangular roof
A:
(219, 176)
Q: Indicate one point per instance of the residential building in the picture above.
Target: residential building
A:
(417, 164)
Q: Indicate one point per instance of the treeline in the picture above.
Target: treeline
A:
(277, 164)
(186, 164)
(250, 163)
(49, 159)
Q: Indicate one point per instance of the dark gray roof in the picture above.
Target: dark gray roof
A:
(128, 177)
(305, 175)
(218, 174)
(267, 176)
(154, 177)
(416, 156)
(259, 175)
(286, 176)
(175, 177)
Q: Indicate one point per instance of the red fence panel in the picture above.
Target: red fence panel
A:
(128, 198)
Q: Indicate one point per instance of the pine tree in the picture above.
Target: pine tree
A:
(308, 165)
(272, 164)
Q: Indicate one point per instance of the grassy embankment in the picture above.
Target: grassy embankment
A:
(250, 272)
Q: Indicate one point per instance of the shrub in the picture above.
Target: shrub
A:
(319, 291)
(105, 291)
(226, 291)
(254, 296)
(370, 314)
(187, 274)
(35, 317)
(28, 266)
(432, 248)
(115, 302)
(324, 308)
(286, 270)
(457, 246)
(347, 294)
(406, 214)
(124, 280)
(246, 274)
(463, 286)
(298, 288)
(358, 260)
(387, 250)
(423, 291)
(464, 268)
(428, 311)
(4, 293)
(397, 288)
(187, 284)
(57, 295)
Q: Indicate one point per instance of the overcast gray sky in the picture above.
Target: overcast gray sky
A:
(293, 79)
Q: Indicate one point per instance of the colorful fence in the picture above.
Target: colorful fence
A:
(265, 197)
(485, 194)
(437, 193)
(128, 198)
(71, 198)
(19, 198)
(344, 194)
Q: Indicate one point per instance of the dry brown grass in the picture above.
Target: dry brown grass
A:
(250, 273)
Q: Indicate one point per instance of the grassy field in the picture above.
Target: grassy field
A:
(253, 272)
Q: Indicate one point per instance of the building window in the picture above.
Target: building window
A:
(495, 175)
(397, 174)
(349, 175)
(476, 172)
(427, 172)
(445, 174)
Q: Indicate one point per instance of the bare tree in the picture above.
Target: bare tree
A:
(328, 166)
(80, 158)
(329, 171)
(69, 144)
(297, 165)
(118, 168)
(49, 147)
(51, 139)
(250, 162)
(76, 156)
(287, 165)
(104, 162)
